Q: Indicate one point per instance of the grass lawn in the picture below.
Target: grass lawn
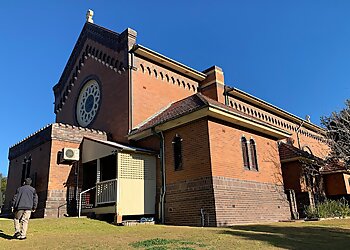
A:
(73, 233)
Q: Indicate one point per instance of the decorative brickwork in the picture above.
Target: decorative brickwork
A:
(72, 133)
(106, 37)
(56, 131)
(30, 142)
(153, 82)
(112, 51)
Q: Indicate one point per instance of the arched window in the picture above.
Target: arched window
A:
(177, 146)
(253, 156)
(245, 152)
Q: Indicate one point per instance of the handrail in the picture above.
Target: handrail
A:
(101, 182)
(106, 191)
(83, 192)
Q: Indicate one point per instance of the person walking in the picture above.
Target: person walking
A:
(24, 202)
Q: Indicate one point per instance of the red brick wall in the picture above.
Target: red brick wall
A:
(152, 91)
(227, 159)
(213, 178)
(112, 116)
(39, 172)
(195, 152)
(58, 176)
(62, 175)
(189, 189)
(213, 85)
(307, 137)
(51, 177)
(242, 195)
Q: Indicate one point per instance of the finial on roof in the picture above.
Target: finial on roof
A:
(307, 118)
(89, 15)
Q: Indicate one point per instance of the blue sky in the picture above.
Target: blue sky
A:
(293, 54)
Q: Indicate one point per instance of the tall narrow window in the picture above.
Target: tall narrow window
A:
(29, 164)
(245, 152)
(24, 167)
(177, 141)
(253, 156)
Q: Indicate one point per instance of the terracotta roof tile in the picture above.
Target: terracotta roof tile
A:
(334, 166)
(186, 106)
(175, 110)
(288, 151)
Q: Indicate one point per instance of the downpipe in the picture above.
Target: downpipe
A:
(162, 158)
(160, 135)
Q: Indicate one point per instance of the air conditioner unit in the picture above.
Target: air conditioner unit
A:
(70, 154)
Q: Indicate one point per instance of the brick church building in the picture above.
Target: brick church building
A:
(149, 136)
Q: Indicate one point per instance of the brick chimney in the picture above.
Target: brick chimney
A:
(214, 84)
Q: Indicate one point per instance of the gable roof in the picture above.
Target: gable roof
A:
(288, 153)
(332, 167)
(197, 106)
(174, 110)
(96, 33)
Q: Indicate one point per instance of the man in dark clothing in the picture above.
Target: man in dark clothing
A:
(24, 203)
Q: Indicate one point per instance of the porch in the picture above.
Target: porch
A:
(117, 179)
(101, 199)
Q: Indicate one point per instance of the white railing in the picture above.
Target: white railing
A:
(106, 191)
(80, 195)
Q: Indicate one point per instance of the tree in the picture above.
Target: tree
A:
(338, 134)
(3, 182)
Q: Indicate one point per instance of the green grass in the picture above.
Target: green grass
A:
(166, 244)
(73, 233)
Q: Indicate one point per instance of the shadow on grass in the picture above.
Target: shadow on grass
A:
(294, 237)
(5, 236)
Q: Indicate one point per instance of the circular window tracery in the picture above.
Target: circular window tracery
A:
(88, 103)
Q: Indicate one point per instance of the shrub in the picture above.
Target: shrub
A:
(329, 209)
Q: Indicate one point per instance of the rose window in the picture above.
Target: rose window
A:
(88, 103)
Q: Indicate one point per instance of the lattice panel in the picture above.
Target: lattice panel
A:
(136, 166)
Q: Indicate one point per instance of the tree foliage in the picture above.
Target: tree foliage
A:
(338, 134)
(3, 183)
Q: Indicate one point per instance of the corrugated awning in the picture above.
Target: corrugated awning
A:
(93, 149)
